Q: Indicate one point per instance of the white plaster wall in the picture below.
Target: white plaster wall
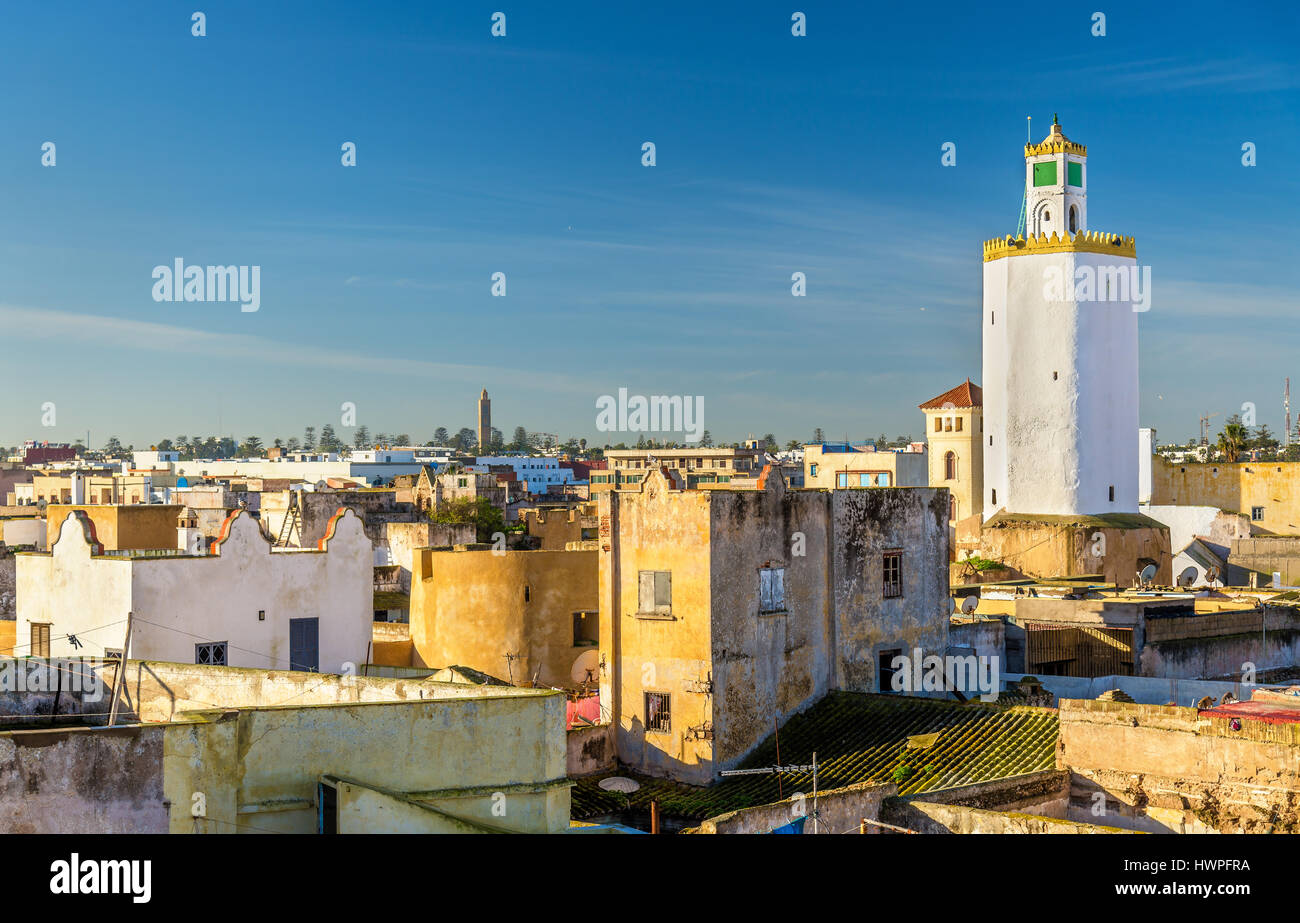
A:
(75, 594)
(1060, 390)
(182, 601)
(995, 380)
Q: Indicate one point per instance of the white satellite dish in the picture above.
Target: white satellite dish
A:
(584, 669)
(970, 604)
(619, 784)
(1148, 574)
(1187, 577)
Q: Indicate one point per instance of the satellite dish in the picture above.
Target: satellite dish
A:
(1148, 573)
(1212, 574)
(1187, 577)
(585, 667)
(970, 604)
(619, 784)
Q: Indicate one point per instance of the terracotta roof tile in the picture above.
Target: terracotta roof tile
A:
(964, 395)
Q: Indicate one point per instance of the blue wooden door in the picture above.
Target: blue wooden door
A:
(304, 644)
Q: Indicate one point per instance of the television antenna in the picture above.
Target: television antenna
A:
(788, 770)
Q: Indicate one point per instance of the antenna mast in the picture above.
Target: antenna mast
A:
(1286, 439)
(1024, 193)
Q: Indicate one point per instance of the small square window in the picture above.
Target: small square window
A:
(1256, 513)
(658, 712)
(655, 592)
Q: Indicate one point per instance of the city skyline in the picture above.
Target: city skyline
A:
(522, 154)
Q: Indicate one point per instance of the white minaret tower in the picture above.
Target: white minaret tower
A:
(1056, 183)
(1060, 351)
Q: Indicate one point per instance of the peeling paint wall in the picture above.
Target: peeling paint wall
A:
(83, 781)
(732, 671)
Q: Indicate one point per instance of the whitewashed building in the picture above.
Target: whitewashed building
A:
(244, 604)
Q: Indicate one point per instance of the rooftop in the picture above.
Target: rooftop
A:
(858, 737)
(965, 395)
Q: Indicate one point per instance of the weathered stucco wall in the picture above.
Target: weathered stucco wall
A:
(730, 669)
(1264, 557)
(659, 530)
(590, 750)
(924, 817)
(1176, 769)
(8, 585)
(83, 781)
(839, 811)
(260, 767)
(1238, 487)
(253, 764)
(404, 538)
(1057, 549)
(767, 666)
(129, 527)
(472, 607)
(555, 528)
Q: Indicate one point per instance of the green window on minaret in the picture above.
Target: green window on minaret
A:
(1045, 173)
(1074, 173)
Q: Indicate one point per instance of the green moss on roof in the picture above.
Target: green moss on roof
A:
(858, 738)
(1100, 520)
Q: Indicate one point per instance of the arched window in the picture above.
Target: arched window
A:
(952, 508)
(1074, 219)
(950, 466)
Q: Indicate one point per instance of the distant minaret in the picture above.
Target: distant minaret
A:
(484, 421)
(1060, 351)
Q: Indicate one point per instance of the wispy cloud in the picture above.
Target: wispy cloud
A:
(25, 324)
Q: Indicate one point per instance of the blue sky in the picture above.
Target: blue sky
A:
(522, 155)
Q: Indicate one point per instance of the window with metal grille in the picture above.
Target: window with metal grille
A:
(655, 592)
(1256, 513)
(658, 712)
(893, 574)
(40, 639)
(212, 654)
(771, 589)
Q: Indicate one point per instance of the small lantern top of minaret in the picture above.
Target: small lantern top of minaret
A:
(1055, 143)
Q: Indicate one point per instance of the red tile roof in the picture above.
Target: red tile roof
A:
(964, 395)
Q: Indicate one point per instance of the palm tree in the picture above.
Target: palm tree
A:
(1233, 438)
